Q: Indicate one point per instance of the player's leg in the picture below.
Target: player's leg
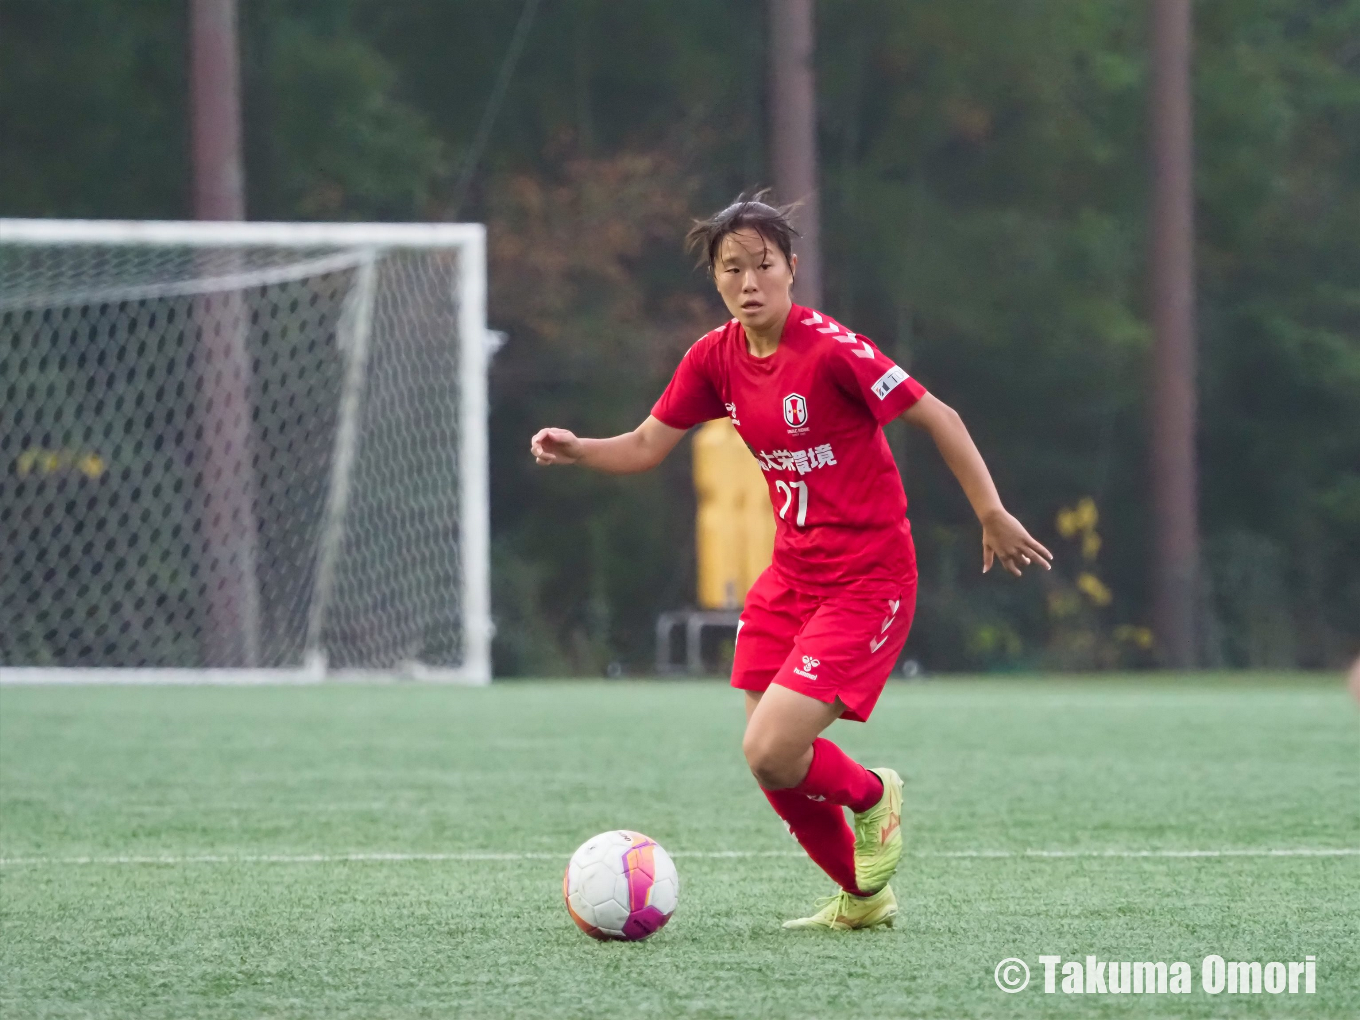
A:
(818, 824)
(770, 622)
(784, 750)
(842, 658)
(807, 779)
(855, 643)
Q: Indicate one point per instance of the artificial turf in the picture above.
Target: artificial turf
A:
(230, 774)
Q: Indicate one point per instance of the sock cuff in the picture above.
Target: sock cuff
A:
(822, 769)
(833, 775)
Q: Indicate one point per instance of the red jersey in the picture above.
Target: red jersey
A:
(812, 414)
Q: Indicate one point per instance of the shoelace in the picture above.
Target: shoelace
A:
(839, 898)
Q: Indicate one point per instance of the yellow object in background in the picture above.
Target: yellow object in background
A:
(50, 462)
(734, 529)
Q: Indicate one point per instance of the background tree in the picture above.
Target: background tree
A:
(1171, 258)
(793, 133)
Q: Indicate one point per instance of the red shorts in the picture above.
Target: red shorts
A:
(824, 646)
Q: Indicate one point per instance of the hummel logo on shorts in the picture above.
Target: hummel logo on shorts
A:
(887, 622)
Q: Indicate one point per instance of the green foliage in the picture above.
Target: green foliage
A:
(591, 345)
(986, 227)
(984, 201)
(1279, 184)
(330, 139)
(93, 117)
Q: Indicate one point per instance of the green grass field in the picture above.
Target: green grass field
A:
(253, 798)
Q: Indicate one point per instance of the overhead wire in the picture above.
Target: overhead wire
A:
(493, 106)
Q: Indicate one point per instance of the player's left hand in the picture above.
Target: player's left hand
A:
(1004, 538)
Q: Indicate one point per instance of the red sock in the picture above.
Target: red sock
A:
(821, 830)
(838, 778)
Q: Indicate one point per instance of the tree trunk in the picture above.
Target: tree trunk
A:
(1174, 485)
(215, 81)
(793, 134)
(231, 634)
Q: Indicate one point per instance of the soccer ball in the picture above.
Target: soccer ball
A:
(620, 885)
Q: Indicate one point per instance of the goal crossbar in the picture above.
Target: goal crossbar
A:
(205, 233)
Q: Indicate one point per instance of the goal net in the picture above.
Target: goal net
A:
(255, 449)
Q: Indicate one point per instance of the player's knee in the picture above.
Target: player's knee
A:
(769, 762)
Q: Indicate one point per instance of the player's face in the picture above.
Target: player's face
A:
(754, 280)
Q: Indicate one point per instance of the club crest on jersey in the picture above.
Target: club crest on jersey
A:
(795, 410)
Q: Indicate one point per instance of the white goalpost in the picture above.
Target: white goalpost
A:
(243, 452)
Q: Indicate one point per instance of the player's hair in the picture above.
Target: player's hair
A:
(749, 212)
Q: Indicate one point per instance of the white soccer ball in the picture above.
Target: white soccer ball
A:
(620, 885)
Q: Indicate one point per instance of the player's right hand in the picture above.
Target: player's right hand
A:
(555, 446)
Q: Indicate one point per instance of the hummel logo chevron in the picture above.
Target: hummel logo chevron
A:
(832, 328)
(893, 604)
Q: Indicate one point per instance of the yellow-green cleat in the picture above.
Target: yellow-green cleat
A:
(878, 835)
(843, 912)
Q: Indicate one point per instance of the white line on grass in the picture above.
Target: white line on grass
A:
(1290, 852)
(479, 855)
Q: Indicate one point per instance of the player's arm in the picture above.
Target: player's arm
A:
(640, 450)
(1003, 537)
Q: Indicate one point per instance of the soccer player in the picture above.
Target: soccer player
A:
(823, 626)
